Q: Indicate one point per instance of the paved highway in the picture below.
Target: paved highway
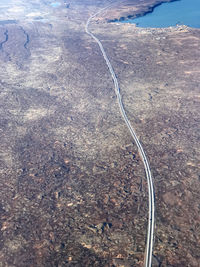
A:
(151, 216)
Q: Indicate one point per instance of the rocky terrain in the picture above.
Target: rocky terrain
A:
(72, 186)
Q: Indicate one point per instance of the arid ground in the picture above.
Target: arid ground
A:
(72, 186)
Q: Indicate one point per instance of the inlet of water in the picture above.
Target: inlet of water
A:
(55, 4)
(181, 12)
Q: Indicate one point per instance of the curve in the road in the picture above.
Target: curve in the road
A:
(151, 213)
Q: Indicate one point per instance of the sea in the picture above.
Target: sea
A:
(180, 12)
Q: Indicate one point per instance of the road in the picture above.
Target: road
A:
(151, 212)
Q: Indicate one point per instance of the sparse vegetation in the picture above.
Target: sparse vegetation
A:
(73, 191)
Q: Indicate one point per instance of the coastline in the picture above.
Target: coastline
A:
(141, 12)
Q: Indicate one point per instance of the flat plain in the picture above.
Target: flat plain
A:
(72, 185)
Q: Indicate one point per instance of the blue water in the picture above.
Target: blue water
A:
(55, 4)
(182, 12)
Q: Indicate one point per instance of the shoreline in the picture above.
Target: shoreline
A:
(142, 13)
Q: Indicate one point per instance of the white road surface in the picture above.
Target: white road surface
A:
(151, 213)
